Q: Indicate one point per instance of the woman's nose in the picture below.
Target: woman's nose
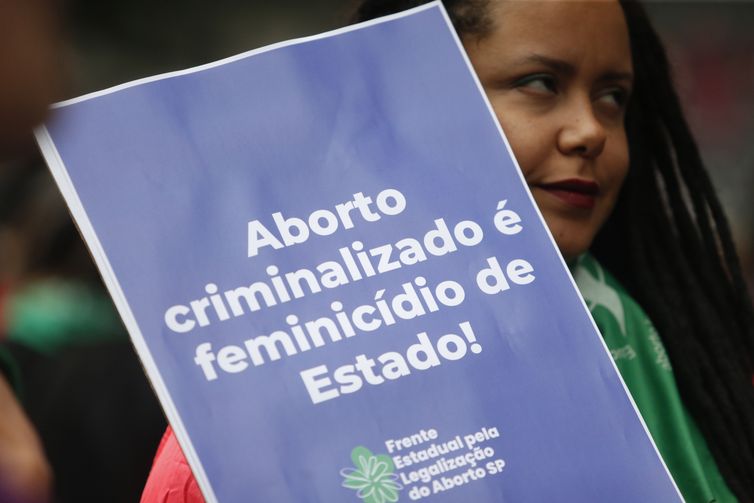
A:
(582, 133)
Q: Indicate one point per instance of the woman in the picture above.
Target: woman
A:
(584, 96)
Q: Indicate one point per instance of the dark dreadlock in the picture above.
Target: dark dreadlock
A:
(669, 243)
(469, 17)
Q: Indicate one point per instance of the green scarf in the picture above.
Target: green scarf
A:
(643, 363)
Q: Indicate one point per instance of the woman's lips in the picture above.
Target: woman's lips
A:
(576, 192)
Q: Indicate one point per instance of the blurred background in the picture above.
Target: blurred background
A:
(82, 384)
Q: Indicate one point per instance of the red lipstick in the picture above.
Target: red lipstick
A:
(574, 191)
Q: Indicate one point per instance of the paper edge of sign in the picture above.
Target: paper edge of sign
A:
(247, 54)
(64, 183)
(554, 244)
(57, 167)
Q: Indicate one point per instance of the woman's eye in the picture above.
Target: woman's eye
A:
(616, 96)
(540, 83)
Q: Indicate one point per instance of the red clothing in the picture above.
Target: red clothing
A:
(171, 479)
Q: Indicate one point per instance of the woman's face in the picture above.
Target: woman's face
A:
(558, 75)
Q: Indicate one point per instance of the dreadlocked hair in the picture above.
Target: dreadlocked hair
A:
(469, 17)
(669, 243)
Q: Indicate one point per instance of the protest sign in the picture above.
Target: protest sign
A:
(339, 283)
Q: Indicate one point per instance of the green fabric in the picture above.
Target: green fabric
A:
(643, 363)
(50, 314)
(9, 370)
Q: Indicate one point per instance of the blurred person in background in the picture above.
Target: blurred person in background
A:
(73, 398)
(29, 80)
(81, 384)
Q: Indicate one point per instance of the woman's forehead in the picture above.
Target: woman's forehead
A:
(567, 30)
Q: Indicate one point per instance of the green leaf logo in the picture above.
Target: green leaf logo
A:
(372, 478)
